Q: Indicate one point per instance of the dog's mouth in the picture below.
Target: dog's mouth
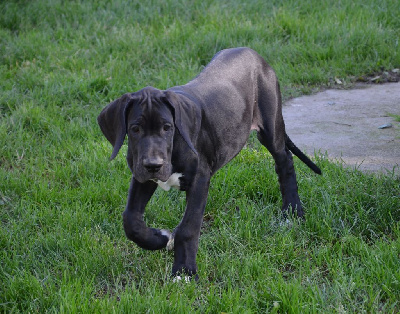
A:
(162, 174)
(159, 177)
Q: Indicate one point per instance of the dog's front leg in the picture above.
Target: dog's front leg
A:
(135, 228)
(186, 238)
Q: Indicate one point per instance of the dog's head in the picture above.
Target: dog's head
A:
(150, 117)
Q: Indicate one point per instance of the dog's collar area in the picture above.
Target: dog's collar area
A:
(172, 182)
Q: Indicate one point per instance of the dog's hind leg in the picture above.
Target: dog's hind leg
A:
(285, 170)
(270, 127)
(271, 133)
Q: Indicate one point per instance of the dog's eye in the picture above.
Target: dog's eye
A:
(135, 128)
(167, 127)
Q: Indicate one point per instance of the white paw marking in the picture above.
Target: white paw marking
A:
(172, 182)
(286, 223)
(166, 233)
(180, 278)
(170, 244)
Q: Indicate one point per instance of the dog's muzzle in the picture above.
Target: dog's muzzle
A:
(153, 165)
(152, 169)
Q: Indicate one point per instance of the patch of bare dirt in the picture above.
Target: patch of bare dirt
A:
(391, 76)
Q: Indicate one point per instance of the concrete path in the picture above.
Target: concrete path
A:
(345, 125)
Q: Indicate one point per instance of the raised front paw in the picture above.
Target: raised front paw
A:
(170, 236)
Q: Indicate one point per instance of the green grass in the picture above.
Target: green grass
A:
(396, 117)
(62, 246)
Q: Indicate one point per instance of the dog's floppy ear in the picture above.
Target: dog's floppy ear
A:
(187, 117)
(112, 121)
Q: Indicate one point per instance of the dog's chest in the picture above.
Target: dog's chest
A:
(172, 182)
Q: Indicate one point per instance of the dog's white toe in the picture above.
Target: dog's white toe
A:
(176, 279)
(170, 243)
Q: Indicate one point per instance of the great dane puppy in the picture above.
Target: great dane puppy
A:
(181, 136)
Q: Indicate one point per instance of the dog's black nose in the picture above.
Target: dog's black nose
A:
(153, 164)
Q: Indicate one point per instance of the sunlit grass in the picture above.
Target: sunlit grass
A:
(62, 246)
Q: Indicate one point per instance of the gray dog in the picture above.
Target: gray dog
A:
(181, 136)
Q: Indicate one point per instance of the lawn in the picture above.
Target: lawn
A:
(62, 244)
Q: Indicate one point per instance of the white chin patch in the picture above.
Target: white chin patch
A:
(172, 182)
(180, 278)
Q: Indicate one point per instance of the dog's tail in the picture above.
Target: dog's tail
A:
(296, 151)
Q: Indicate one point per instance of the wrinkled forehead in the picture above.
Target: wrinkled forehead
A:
(151, 106)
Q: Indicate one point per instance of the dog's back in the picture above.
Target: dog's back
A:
(236, 87)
